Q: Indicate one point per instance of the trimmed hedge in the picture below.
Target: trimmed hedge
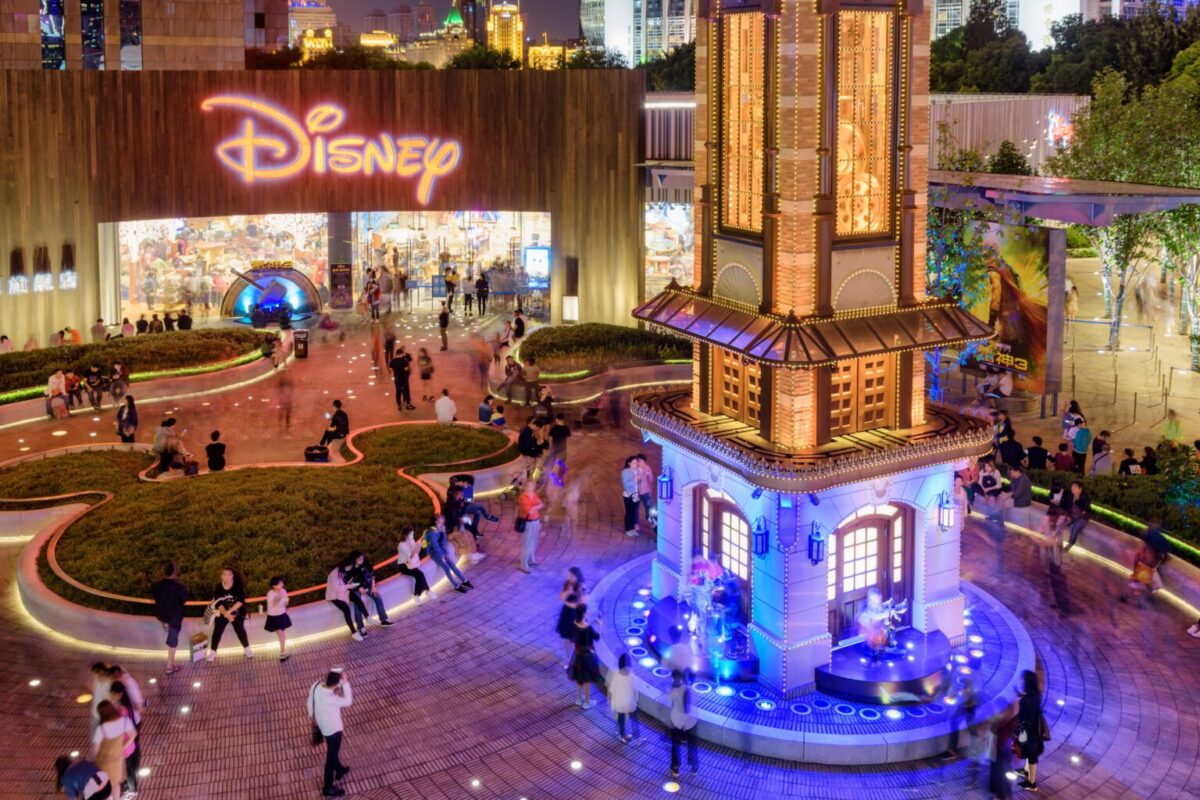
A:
(148, 353)
(1138, 498)
(595, 346)
(292, 521)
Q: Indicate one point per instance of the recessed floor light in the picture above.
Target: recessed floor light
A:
(36, 682)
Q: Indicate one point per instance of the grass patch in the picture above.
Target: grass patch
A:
(293, 521)
(22, 372)
(595, 346)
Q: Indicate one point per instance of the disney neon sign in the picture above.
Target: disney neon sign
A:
(256, 153)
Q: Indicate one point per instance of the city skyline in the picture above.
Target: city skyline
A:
(559, 18)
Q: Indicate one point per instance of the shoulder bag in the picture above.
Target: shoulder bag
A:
(519, 525)
(315, 736)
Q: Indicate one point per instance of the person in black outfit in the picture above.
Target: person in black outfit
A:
(1129, 465)
(339, 425)
(1037, 455)
(401, 366)
(1149, 463)
(93, 381)
(1011, 452)
(142, 325)
(170, 598)
(229, 597)
(1030, 733)
(518, 324)
(215, 450)
(481, 292)
(185, 320)
(444, 324)
(1079, 508)
(361, 578)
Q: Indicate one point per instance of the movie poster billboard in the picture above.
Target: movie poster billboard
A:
(341, 286)
(1016, 299)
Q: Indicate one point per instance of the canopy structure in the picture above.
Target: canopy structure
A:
(803, 343)
(1070, 200)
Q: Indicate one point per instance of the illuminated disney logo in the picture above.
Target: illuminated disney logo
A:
(272, 145)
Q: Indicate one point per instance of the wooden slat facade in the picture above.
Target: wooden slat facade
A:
(81, 148)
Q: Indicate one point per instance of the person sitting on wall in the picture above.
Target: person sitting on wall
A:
(997, 385)
(185, 320)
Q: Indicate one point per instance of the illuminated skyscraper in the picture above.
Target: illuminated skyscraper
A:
(506, 30)
(425, 21)
(309, 15)
(591, 21)
(660, 26)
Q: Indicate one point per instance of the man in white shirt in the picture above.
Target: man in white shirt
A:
(325, 703)
(445, 409)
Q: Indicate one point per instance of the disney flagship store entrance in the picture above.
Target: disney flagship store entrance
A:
(309, 179)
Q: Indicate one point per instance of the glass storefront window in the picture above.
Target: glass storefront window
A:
(177, 263)
(865, 48)
(670, 243)
(743, 125)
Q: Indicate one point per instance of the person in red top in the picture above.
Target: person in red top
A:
(529, 519)
(1063, 460)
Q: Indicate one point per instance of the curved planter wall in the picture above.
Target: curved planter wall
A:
(585, 389)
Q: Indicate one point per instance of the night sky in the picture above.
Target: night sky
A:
(560, 18)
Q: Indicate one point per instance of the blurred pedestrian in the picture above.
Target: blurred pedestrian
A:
(425, 370)
(127, 420)
(623, 698)
(443, 325)
(682, 722)
(571, 595)
(584, 668)
(109, 741)
(80, 779)
(529, 523)
(326, 699)
(1031, 730)
(401, 365)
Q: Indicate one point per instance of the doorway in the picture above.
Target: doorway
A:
(871, 549)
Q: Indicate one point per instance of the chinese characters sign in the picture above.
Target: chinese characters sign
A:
(270, 145)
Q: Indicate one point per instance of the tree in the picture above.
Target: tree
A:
(1008, 160)
(359, 58)
(1138, 138)
(285, 58)
(589, 58)
(673, 72)
(985, 55)
(483, 57)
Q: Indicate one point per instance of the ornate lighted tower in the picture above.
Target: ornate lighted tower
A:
(804, 458)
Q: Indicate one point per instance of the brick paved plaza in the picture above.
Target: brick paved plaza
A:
(467, 698)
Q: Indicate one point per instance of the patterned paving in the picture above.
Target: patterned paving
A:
(471, 689)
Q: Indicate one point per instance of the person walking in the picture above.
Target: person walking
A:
(81, 779)
(170, 599)
(337, 592)
(529, 523)
(401, 366)
(326, 699)
(229, 602)
(109, 741)
(482, 289)
(1031, 729)
(408, 562)
(683, 722)
(119, 696)
(1172, 429)
(127, 420)
(425, 370)
(468, 297)
(362, 578)
(646, 490)
(278, 620)
(630, 495)
(556, 458)
(571, 595)
(437, 545)
(623, 698)
(444, 325)
(584, 668)
(530, 446)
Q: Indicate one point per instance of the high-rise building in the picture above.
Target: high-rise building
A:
(475, 17)
(591, 21)
(375, 20)
(266, 24)
(1032, 17)
(125, 34)
(506, 30)
(444, 44)
(400, 23)
(549, 56)
(425, 22)
(309, 15)
(660, 26)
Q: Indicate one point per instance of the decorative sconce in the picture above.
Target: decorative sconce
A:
(18, 282)
(761, 537)
(666, 485)
(817, 539)
(945, 512)
(67, 277)
(43, 279)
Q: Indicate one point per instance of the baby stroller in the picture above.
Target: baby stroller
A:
(517, 484)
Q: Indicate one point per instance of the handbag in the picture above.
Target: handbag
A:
(1045, 729)
(519, 525)
(315, 735)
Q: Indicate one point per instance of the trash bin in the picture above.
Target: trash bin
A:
(316, 454)
(300, 343)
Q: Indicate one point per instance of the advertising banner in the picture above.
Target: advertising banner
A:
(1022, 299)
(341, 286)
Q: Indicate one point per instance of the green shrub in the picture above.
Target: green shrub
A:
(1077, 238)
(1082, 252)
(594, 346)
(141, 354)
(1138, 499)
(293, 521)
